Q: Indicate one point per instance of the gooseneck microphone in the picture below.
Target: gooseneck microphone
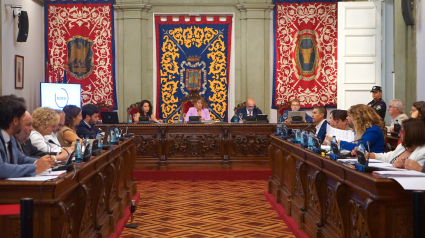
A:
(52, 142)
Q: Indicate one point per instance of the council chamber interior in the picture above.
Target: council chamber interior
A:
(212, 118)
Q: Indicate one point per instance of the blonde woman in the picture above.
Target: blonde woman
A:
(198, 110)
(67, 135)
(367, 124)
(44, 121)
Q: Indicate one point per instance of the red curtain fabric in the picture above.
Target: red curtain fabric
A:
(305, 52)
(80, 41)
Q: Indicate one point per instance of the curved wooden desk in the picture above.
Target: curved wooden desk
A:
(202, 146)
(88, 204)
(331, 199)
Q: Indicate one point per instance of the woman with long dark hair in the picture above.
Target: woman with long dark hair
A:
(67, 135)
(145, 110)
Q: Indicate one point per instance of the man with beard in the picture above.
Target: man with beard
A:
(86, 127)
(23, 140)
(13, 163)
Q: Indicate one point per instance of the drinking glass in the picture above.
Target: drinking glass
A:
(240, 116)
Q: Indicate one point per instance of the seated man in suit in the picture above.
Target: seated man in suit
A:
(249, 110)
(295, 107)
(319, 119)
(86, 127)
(23, 138)
(13, 163)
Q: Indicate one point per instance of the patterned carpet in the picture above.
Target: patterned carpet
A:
(197, 209)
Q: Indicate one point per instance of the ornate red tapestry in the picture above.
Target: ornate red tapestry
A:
(80, 48)
(305, 57)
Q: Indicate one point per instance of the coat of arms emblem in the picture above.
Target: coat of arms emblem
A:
(80, 57)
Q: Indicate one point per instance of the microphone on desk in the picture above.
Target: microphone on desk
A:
(52, 142)
(363, 164)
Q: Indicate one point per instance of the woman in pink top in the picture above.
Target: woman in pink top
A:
(198, 110)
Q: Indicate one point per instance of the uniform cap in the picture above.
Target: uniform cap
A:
(376, 89)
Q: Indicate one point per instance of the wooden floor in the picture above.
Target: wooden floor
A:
(199, 209)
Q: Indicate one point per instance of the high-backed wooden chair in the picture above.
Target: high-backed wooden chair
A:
(190, 100)
(283, 107)
(132, 110)
(103, 107)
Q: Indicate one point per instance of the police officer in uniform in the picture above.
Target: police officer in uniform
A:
(377, 103)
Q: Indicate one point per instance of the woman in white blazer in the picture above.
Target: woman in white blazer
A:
(412, 145)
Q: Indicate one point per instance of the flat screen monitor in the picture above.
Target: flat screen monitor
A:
(58, 95)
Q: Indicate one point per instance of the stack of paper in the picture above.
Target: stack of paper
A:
(47, 175)
(340, 134)
(408, 179)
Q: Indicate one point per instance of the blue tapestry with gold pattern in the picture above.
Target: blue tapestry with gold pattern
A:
(193, 54)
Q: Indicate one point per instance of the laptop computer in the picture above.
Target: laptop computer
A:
(109, 117)
(296, 114)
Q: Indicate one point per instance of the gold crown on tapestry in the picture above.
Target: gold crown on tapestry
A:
(193, 58)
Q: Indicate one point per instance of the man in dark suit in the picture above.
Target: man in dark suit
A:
(319, 119)
(86, 127)
(13, 163)
(249, 110)
(23, 141)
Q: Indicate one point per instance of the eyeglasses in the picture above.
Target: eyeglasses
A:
(295, 105)
(250, 106)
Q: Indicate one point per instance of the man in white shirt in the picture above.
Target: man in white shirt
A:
(396, 111)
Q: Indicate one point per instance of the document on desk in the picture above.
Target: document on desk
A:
(400, 173)
(350, 160)
(35, 179)
(340, 134)
(411, 183)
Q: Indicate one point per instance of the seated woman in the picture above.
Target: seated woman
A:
(198, 110)
(44, 121)
(145, 110)
(367, 124)
(67, 135)
(412, 147)
(418, 110)
(295, 107)
(341, 120)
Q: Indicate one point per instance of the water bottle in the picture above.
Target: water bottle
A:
(117, 134)
(333, 141)
(303, 139)
(87, 143)
(112, 137)
(284, 132)
(99, 139)
(235, 119)
(310, 141)
(297, 136)
(362, 149)
(278, 130)
(130, 119)
(397, 126)
(78, 153)
(180, 118)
